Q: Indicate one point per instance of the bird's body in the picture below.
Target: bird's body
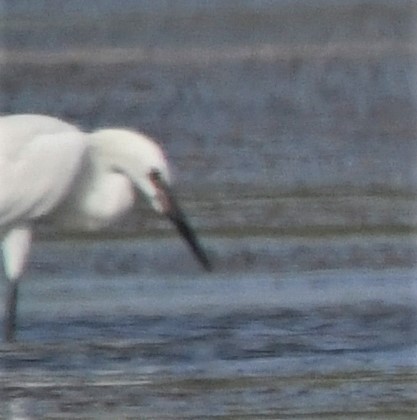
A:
(53, 171)
(39, 159)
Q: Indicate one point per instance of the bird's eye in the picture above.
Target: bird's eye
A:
(155, 175)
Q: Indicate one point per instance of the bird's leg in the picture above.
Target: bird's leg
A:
(16, 246)
(10, 311)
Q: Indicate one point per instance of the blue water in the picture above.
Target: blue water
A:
(291, 131)
(155, 343)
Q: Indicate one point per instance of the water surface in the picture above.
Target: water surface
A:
(255, 342)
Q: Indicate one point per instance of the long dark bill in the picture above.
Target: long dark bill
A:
(177, 217)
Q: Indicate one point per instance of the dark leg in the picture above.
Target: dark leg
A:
(10, 311)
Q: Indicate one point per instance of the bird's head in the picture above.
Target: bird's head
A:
(142, 160)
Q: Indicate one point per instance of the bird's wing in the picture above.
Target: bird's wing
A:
(18, 130)
(38, 176)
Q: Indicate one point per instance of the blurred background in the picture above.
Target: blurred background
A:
(251, 99)
(291, 130)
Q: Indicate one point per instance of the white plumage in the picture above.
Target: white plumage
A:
(50, 169)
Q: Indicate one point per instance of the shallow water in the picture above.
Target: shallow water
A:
(252, 342)
(292, 133)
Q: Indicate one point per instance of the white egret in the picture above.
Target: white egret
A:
(53, 171)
